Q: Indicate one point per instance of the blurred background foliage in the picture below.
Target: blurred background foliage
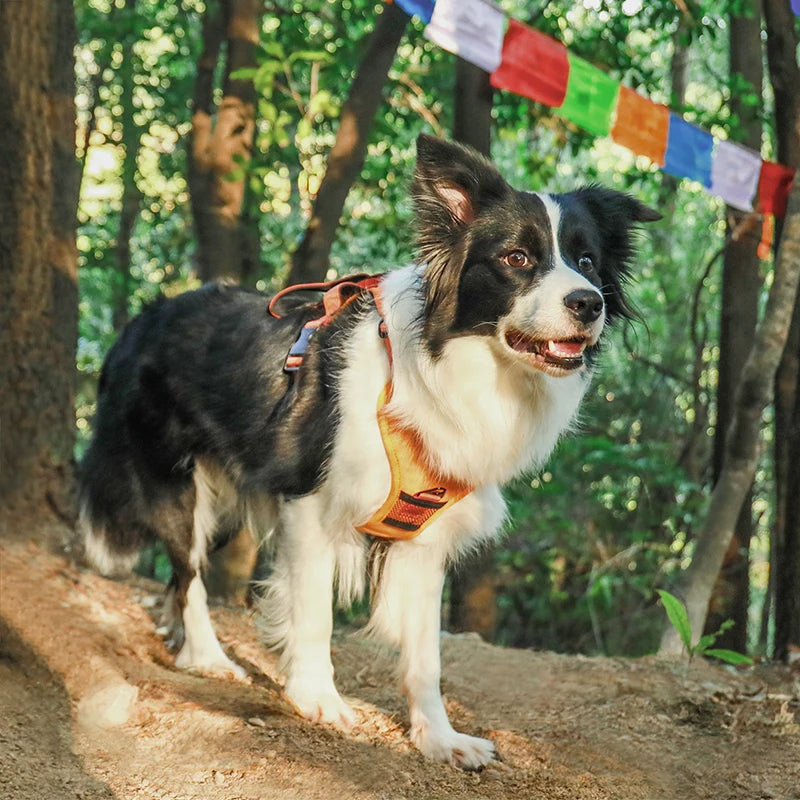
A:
(615, 512)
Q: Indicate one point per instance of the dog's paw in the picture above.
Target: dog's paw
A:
(216, 664)
(458, 749)
(326, 707)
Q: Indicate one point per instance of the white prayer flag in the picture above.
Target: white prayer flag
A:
(472, 29)
(734, 174)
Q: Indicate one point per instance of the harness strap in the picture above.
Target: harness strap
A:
(417, 495)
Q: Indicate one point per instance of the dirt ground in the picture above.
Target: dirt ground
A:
(92, 708)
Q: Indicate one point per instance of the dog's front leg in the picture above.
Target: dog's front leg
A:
(408, 610)
(308, 562)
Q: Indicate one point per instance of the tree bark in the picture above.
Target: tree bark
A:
(219, 146)
(741, 285)
(754, 393)
(38, 265)
(346, 158)
(131, 196)
(785, 547)
(473, 590)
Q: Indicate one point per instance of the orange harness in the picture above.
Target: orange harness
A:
(418, 495)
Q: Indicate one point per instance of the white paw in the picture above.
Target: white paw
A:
(217, 664)
(458, 749)
(320, 706)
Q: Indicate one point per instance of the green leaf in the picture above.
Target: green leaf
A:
(243, 74)
(676, 612)
(731, 656)
(309, 55)
(705, 642)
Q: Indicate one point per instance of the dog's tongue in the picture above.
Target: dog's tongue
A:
(565, 349)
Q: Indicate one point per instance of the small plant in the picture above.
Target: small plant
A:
(676, 612)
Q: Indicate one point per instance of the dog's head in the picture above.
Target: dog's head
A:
(541, 274)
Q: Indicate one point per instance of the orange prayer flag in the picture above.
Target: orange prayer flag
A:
(641, 125)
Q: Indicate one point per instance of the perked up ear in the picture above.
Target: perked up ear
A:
(452, 185)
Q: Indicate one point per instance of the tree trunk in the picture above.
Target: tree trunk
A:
(785, 547)
(38, 265)
(741, 284)
(473, 590)
(221, 148)
(346, 158)
(754, 393)
(131, 196)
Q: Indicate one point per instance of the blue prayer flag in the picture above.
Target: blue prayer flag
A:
(796, 7)
(418, 8)
(688, 151)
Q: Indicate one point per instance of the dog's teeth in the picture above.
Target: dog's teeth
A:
(565, 349)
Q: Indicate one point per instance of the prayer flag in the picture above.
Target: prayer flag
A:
(417, 8)
(773, 188)
(641, 125)
(734, 174)
(688, 151)
(591, 97)
(796, 7)
(471, 29)
(533, 65)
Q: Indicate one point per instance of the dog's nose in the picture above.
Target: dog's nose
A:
(585, 304)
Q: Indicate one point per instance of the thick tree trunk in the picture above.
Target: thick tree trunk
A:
(38, 263)
(785, 566)
(741, 284)
(754, 393)
(473, 590)
(346, 158)
(221, 145)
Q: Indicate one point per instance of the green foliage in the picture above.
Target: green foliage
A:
(677, 615)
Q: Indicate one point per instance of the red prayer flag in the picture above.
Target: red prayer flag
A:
(773, 188)
(533, 65)
(641, 125)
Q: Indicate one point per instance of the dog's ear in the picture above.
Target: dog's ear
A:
(616, 215)
(453, 185)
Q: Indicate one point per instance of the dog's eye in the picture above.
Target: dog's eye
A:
(585, 263)
(517, 259)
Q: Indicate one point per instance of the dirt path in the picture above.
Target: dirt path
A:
(91, 708)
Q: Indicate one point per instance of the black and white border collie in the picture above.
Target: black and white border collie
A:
(199, 430)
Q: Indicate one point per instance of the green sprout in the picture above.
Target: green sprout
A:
(676, 611)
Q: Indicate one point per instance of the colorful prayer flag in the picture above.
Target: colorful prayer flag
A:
(774, 185)
(796, 7)
(471, 29)
(417, 8)
(591, 97)
(641, 125)
(533, 65)
(734, 174)
(688, 151)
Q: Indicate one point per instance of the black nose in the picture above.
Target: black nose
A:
(585, 304)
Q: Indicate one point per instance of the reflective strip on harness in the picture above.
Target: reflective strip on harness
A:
(417, 496)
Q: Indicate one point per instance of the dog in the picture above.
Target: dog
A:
(487, 345)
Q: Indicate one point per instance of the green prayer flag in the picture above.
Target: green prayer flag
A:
(591, 97)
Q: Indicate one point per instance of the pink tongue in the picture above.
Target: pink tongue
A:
(565, 349)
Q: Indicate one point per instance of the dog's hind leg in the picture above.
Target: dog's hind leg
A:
(200, 649)
(298, 610)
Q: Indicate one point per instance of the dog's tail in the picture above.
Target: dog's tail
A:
(112, 535)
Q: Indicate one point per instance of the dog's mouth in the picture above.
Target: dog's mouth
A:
(557, 356)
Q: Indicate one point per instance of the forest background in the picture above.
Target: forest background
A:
(190, 141)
